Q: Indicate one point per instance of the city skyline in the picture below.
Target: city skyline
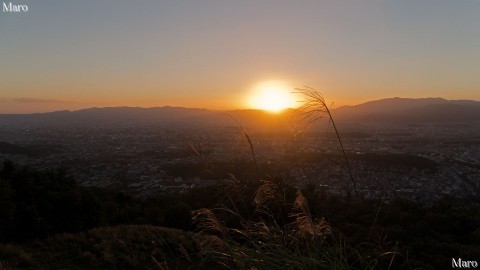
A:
(72, 55)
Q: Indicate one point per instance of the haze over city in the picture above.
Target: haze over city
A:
(218, 55)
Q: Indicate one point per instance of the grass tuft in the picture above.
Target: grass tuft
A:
(313, 108)
(264, 240)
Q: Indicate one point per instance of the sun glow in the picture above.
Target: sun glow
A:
(272, 96)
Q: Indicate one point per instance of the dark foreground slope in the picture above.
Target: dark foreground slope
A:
(404, 236)
(121, 247)
(47, 220)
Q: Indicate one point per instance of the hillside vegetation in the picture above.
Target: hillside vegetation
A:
(120, 247)
(47, 221)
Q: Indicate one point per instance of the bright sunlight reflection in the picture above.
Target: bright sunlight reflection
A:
(272, 96)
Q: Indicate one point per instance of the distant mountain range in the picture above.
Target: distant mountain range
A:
(412, 110)
(385, 110)
(134, 116)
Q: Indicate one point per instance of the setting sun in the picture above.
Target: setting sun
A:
(272, 96)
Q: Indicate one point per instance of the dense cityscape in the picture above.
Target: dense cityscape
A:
(419, 162)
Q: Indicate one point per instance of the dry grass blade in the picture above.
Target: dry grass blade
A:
(161, 266)
(212, 243)
(206, 221)
(234, 187)
(194, 150)
(314, 108)
(259, 229)
(263, 196)
(249, 141)
(303, 222)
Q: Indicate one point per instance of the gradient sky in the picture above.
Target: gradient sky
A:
(210, 53)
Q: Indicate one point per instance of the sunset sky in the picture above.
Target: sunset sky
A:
(213, 54)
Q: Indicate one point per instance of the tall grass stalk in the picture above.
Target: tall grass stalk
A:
(314, 108)
(249, 141)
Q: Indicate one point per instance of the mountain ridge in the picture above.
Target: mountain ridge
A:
(412, 110)
(384, 110)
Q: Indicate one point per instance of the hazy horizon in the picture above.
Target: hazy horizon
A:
(333, 106)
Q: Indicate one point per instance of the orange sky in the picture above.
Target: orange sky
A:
(77, 54)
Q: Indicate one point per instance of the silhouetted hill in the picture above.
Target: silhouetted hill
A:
(120, 247)
(8, 148)
(109, 115)
(385, 110)
(164, 116)
(30, 150)
(411, 110)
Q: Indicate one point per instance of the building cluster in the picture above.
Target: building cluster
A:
(420, 163)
